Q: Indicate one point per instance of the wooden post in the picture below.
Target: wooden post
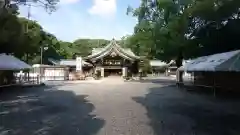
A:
(214, 87)
(38, 79)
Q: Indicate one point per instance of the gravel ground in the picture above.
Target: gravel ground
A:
(115, 107)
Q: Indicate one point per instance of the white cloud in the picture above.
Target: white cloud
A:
(71, 22)
(68, 1)
(104, 8)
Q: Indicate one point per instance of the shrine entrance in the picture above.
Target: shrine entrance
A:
(112, 72)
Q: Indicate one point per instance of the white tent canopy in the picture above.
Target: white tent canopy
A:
(228, 61)
(68, 62)
(9, 62)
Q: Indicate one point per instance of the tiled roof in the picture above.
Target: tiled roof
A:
(112, 46)
(127, 50)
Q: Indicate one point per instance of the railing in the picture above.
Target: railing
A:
(27, 79)
(22, 80)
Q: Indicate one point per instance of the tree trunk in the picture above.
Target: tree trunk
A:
(179, 61)
(28, 70)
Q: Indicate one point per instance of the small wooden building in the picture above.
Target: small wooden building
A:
(158, 66)
(113, 60)
(71, 68)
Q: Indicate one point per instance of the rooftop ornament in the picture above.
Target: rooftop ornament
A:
(113, 54)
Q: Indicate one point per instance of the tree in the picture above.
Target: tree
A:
(167, 25)
(24, 38)
(83, 47)
(66, 49)
(11, 32)
(215, 25)
(139, 43)
(12, 5)
(31, 38)
(187, 28)
(20, 36)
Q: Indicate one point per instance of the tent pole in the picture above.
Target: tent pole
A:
(214, 84)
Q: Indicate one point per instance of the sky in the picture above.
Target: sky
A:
(95, 19)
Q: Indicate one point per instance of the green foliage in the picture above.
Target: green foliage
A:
(12, 5)
(218, 31)
(140, 42)
(65, 49)
(11, 32)
(83, 47)
(24, 38)
(20, 36)
(183, 29)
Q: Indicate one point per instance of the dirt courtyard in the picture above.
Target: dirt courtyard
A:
(115, 107)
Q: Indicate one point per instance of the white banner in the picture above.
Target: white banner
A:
(79, 63)
(124, 71)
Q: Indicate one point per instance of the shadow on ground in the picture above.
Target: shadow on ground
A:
(46, 111)
(220, 94)
(176, 112)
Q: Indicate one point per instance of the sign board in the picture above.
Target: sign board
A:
(79, 64)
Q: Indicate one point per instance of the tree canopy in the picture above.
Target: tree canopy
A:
(182, 29)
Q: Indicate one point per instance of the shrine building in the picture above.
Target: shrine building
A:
(113, 60)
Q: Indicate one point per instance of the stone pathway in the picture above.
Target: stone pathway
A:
(113, 80)
(115, 107)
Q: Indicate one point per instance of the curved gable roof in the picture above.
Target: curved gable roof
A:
(112, 47)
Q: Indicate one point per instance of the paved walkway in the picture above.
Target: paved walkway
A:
(115, 107)
(113, 80)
